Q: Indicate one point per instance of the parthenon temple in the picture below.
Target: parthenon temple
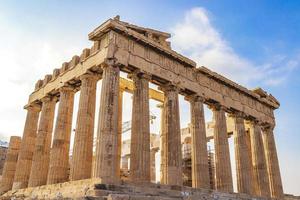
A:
(40, 159)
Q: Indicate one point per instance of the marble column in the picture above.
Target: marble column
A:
(243, 163)
(119, 146)
(10, 164)
(222, 157)
(59, 153)
(41, 156)
(173, 153)
(82, 156)
(140, 131)
(272, 162)
(260, 172)
(107, 133)
(152, 164)
(125, 162)
(27, 147)
(162, 146)
(200, 172)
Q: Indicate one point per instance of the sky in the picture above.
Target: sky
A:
(255, 43)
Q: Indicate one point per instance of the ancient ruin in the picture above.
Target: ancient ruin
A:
(146, 56)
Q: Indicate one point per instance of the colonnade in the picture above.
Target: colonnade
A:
(39, 164)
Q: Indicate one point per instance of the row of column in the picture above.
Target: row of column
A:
(38, 164)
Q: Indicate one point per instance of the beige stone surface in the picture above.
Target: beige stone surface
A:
(41, 155)
(200, 173)
(222, 156)
(259, 161)
(10, 164)
(59, 153)
(244, 168)
(27, 147)
(140, 131)
(272, 163)
(107, 133)
(119, 145)
(171, 130)
(82, 156)
(120, 46)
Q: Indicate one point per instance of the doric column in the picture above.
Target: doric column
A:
(223, 166)
(119, 146)
(140, 130)
(272, 162)
(152, 164)
(82, 156)
(41, 156)
(260, 172)
(59, 153)
(243, 163)
(200, 173)
(10, 164)
(125, 162)
(107, 134)
(173, 153)
(162, 146)
(27, 147)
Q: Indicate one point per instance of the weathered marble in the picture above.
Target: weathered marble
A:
(172, 145)
(140, 130)
(27, 147)
(272, 162)
(107, 133)
(59, 153)
(260, 172)
(243, 163)
(10, 164)
(41, 156)
(222, 156)
(200, 173)
(82, 156)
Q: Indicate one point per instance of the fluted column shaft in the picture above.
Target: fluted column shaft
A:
(107, 134)
(82, 156)
(140, 131)
(119, 146)
(260, 172)
(272, 163)
(41, 156)
(173, 153)
(10, 164)
(222, 156)
(163, 156)
(27, 147)
(200, 173)
(243, 163)
(59, 153)
(152, 164)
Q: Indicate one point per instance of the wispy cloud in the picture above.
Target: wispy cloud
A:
(197, 38)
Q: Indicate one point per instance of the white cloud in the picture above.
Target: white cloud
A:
(196, 37)
(26, 56)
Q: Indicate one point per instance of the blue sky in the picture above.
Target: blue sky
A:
(255, 43)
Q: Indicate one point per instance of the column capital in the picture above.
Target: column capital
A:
(48, 98)
(254, 122)
(195, 98)
(90, 75)
(217, 106)
(237, 114)
(169, 87)
(267, 127)
(66, 88)
(110, 62)
(139, 74)
(33, 107)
